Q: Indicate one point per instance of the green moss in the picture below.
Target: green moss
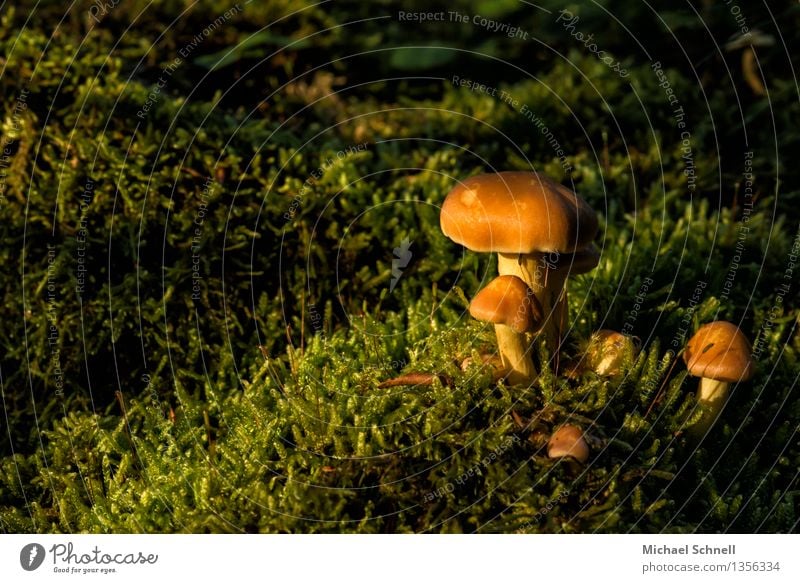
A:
(223, 348)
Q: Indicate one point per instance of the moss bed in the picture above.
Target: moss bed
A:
(200, 208)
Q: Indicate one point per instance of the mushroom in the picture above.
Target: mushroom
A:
(720, 355)
(748, 43)
(607, 349)
(510, 305)
(568, 441)
(541, 230)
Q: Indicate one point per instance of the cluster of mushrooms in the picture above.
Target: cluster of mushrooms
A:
(543, 233)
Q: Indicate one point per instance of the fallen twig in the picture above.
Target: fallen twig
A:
(416, 378)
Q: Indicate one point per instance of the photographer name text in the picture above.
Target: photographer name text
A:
(687, 550)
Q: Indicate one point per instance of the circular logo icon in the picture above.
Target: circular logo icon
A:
(31, 556)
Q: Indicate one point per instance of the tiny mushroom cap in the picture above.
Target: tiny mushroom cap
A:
(752, 38)
(607, 350)
(568, 441)
(517, 213)
(721, 352)
(508, 300)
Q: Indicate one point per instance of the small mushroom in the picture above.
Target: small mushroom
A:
(720, 355)
(607, 349)
(748, 42)
(541, 230)
(568, 440)
(510, 305)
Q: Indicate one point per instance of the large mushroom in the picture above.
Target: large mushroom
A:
(509, 304)
(720, 355)
(541, 230)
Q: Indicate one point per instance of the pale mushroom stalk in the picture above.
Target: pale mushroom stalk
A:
(515, 353)
(546, 275)
(547, 285)
(712, 394)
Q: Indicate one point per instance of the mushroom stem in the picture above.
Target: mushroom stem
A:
(514, 351)
(547, 283)
(712, 394)
(750, 71)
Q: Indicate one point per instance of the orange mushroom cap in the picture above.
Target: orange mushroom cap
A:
(721, 352)
(508, 300)
(517, 212)
(568, 441)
